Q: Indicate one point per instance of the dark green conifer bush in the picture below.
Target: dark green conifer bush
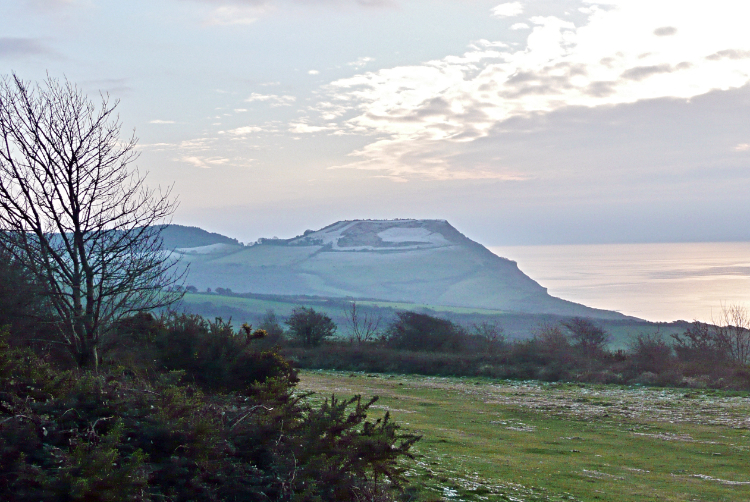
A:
(161, 431)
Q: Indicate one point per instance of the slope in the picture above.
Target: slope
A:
(419, 261)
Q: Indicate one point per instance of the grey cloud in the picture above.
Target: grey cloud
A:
(656, 170)
(601, 89)
(642, 72)
(729, 54)
(543, 82)
(432, 107)
(437, 107)
(16, 47)
(665, 31)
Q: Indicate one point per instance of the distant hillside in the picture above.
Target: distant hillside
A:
(179, 236)
(418, 261)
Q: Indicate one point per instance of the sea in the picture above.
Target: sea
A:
(657, 282)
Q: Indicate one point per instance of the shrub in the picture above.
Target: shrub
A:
(310, 327)
(215, 357)
(699, 344)
(274, 332)
(650, 353)
(118, 436)
(422, 332)
(589, 338)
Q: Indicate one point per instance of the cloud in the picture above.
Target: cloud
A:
(643, 72)
(302, 127)
(742, 147)
(246, 12)
(361, 62)
(17, 47)
(421, 116)
(729, 54)
(272, 99)
(509, 9)
(233, 12)
(520, 26)
(313, 72)
(203, 162)
(232, 16)
(157, 121)
(665, 31)
(242, 131)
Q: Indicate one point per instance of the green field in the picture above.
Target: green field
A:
(517, 441)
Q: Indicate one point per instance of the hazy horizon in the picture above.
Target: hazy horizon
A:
(660, 282)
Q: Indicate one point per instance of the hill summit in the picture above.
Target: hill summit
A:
(416, 261)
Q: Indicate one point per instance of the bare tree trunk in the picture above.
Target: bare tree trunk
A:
(362, 328)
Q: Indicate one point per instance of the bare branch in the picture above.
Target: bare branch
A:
(75, 213)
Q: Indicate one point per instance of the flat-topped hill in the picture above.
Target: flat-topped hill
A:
(419, 261)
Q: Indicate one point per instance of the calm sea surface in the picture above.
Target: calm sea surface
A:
(658, 282)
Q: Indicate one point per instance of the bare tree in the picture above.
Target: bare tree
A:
(489, 331)
(76, 215)
(362, 327)
(732, 332)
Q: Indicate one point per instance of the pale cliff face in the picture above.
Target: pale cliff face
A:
(374, 235)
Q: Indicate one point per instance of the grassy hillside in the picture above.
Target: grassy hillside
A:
(501, 441)
(420, 261)
(179, 236)
(252, 308)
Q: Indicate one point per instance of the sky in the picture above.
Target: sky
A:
(521, 123)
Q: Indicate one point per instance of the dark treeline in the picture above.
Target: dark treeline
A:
(575, 349)
(516, 325)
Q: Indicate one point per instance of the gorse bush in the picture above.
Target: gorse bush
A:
(209, 353)
(171, 424)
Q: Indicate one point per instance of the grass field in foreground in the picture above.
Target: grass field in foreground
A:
(517, 441)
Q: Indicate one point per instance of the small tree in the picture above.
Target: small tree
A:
(75, 215)
(310, 327)
(732, 333)
(363, 327)
(650, 352)
(699, 344)
(589, 338)
(270, 324)
(489, 331)
(422, 332)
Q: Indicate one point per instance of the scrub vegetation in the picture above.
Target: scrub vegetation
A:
(572, 350)
(184, 409)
